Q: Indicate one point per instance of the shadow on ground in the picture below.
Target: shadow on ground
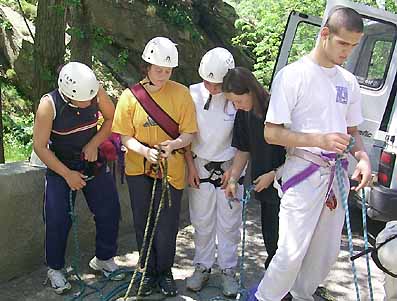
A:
(338, 285)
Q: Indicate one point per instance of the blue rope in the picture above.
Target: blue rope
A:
(76, 258)
(364, 214)
(82, 294)
(340, 177)
(242, 293)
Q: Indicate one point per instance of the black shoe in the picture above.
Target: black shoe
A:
(148, 284)
(167, 284)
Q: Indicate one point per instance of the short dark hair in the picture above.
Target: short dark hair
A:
(344, 17)
(239, 81)
(144, 68)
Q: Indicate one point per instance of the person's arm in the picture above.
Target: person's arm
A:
(362, 172)
(168, 146)
(239, 162)
(193, 177)
(41, 135)
(151, 154)
(279, 135)
(106, 107)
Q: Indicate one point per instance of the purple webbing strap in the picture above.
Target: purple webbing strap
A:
(312, 168)
(299, 177)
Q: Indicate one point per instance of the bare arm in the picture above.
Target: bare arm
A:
(239, 162)
(278, 134)
(193, 177)
(362, 173)
(106, 107)
(168, 146)
(41, 135)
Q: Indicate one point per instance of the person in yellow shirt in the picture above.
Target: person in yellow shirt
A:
(147, 139)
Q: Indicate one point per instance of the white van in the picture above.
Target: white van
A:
(374, 63)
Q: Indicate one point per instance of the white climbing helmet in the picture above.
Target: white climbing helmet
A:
(78, 82)
(162, 52)
(215, 64)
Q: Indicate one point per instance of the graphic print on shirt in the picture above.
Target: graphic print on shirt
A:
(342, 94)
(150, 122)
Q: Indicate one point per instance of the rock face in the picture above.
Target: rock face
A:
(130, 24)
(16, 46)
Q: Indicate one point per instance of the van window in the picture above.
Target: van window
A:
(304, 40)
(371, 58)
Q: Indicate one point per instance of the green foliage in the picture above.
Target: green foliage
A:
(30, 10)
(177, 13)
(28, 6)
(75, 32)
(262, 23)
(76, 3)
(6, 24)
(121, 61)
(101, 38)
(17, 123)
(11, 75)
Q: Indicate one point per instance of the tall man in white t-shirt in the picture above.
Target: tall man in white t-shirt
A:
(314, 110)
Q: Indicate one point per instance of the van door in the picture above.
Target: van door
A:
(373, 62)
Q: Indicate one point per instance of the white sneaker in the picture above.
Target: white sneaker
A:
(58, 281)
(107, 267)
(199, 278)
(229, 283)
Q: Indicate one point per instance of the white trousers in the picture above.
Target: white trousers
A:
(390, 286)
(309, 236)
(213, 220)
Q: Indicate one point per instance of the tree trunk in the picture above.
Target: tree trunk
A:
(49, 47)
(2, 158)
(81, 34)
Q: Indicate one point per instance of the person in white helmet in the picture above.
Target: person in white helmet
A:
(156, 119)
(66, 119)
(386, 259)
(208, 164)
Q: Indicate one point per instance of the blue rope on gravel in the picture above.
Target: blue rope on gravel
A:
(366, 246)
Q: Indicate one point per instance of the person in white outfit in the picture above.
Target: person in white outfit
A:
(385, 259)
(314, 110)
(208, 164)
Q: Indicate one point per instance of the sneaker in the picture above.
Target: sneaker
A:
(58, 281)
(229, 283)
(148, 284)
(108, 267)
(167, 284)
(199, 278)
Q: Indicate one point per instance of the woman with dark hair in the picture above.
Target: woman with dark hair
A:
(250, 98)
(156, 119)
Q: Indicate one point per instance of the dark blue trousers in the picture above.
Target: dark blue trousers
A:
(103, 201)
(164, 244)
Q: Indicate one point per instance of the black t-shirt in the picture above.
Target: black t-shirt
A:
(248, 137)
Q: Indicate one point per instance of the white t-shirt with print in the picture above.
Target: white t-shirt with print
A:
(308, 98)
(215, 125)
